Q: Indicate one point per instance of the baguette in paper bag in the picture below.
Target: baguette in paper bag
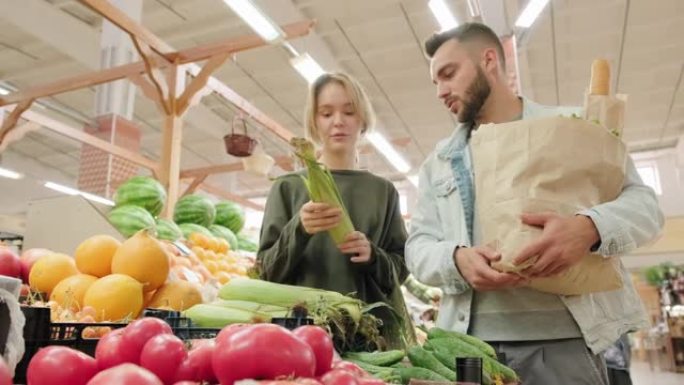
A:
(557, 164)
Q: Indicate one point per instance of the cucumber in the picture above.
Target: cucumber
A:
(424, 359)
(371, 369)
(387, 358)
(407, 374)
(449, 347)
(478, 343)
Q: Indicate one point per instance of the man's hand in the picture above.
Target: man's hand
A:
(356, 244)
(474, 263)
(318, 217)
(563, 243)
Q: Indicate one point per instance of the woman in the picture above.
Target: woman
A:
(295, 247)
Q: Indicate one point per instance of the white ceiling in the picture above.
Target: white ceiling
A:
(379, 42)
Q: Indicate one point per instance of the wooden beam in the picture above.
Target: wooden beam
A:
(229, 167)
(86, 138)
(171, 150)
(127, 24)
(18, 132)
(148, 90)
(200, 81)
(233, 45)
(219, 192)
(195, 183)
(153, 74)
(11, 121)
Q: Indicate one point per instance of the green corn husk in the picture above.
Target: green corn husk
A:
(348, 319)
(321, 186)
(210, 316)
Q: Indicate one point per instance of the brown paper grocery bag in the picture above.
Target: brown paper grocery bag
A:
(554, 164)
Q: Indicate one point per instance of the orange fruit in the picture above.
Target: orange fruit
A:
(144, 258)
(70, 291)
(94, 255)
(177, 295)
(115, 297)
(50, 270)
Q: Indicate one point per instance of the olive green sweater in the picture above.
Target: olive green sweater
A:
(287, 254)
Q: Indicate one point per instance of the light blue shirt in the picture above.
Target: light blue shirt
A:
(439, 224)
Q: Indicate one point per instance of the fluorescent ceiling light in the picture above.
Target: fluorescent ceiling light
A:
(443, 15)
(307, 67)
(253, 16)
(73, 191)
(530, 13)
(413, 179)
(10, 174)
(474, 8)
(387, 150)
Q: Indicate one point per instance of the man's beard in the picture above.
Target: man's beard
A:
(475, 96)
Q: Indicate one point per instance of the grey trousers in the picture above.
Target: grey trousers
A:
(554, 362)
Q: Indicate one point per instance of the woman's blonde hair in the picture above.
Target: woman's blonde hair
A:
(358, 97)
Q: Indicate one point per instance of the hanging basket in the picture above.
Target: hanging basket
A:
(240, 145)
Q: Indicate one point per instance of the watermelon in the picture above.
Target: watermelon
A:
(230, 215)
(189, 228)
(168, 230)
(246, 244)
(194, 209)
(142, 191)
(131, 219)
(225, 233)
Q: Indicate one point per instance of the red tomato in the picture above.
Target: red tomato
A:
(162, 355)
(10, 264)
(198, 366)
(339, 377)
(138, 332)
(5, 376)
(262, 351)
(28, 258)
(321, 344)
(230, 330)
(108, 352)
(59, 365)
(125, 374)
(351, 368)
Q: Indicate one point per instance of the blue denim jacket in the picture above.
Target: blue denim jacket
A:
(442, 220)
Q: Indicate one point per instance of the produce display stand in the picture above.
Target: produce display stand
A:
(169, 93)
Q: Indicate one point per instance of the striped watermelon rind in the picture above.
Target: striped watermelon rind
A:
(231, 215)
(142, 191)
(225, 233)
(194, 209)
(189, 228)
(246, 244)
(130, 219)
(168, 230)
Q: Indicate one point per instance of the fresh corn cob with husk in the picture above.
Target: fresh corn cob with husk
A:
(321, 186)
(212, 316)
(288, 296)
(348, 319)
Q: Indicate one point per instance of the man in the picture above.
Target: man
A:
(547, 339)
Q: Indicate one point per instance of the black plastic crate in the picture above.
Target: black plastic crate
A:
(39, 332)
(292, 323)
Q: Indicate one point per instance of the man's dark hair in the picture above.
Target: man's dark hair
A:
(465, 33)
